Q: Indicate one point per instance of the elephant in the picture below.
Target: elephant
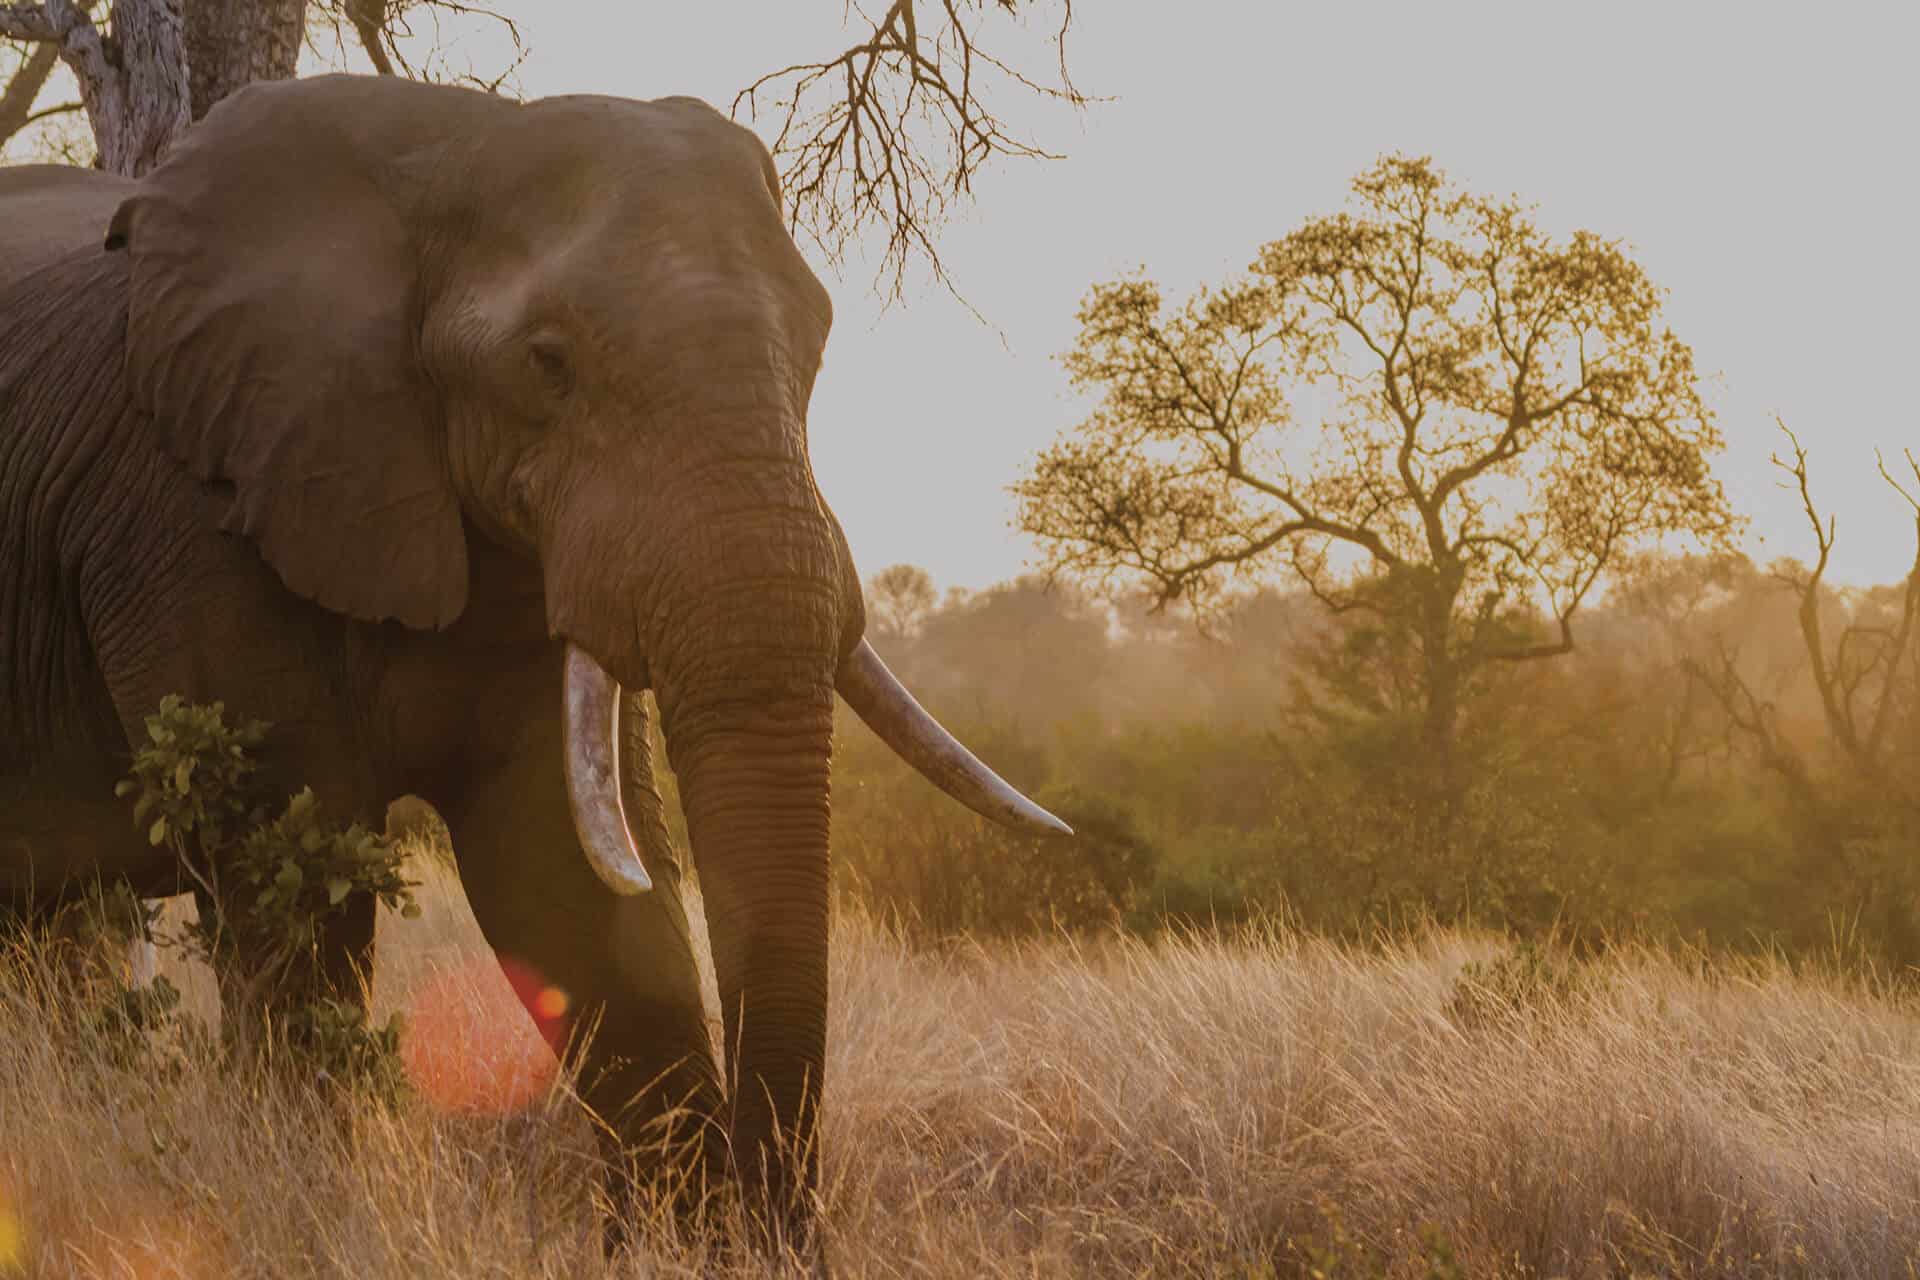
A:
(433, 428)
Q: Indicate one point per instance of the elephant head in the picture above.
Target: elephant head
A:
(382, 318)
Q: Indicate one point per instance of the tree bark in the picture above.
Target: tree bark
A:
(163, 65)
(232, 43)
(1441, 787)
(134, 82)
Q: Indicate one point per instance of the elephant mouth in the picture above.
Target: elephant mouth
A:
(592, 759)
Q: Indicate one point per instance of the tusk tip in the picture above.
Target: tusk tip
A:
(625, 882)
(1038, 820)
(630, 885)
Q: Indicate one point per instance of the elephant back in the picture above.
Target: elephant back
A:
(47, 211)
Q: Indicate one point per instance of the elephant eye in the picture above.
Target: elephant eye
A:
(547, 353)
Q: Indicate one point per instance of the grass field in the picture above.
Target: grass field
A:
(1191, 1107)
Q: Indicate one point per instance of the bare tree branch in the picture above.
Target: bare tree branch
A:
(1858, 679)
(369, 19)
(23, 88)
(58, 109)
(893, 128)
(33, 22)
(383, 28)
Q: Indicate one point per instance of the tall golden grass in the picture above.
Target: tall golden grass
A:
(1193, 1106)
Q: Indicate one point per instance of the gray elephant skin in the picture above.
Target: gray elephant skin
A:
(432, 427)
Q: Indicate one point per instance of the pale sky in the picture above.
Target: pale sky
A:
(1758, 159)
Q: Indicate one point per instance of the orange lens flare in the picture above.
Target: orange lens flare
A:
(13, 1238)
(467, 1049)
(158, 1247)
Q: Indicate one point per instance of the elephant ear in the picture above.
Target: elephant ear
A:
(271, 334)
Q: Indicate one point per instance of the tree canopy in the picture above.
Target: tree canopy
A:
(1422, 407)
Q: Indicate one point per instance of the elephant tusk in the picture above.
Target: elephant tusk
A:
(592, 700)
(903, 724)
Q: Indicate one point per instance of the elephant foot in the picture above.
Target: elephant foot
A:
(695, 1200)
(670, 1184)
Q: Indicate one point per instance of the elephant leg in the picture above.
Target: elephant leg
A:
(624, 966)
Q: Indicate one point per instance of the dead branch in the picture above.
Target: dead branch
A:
(32, 22)
(892, 129)
(1837, 707)
(369, 20)
(23, 88)
(1756, 719)
(380, 28)
(1858, 679)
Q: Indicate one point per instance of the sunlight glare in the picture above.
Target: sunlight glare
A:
(468, 1052)
(13, 1238)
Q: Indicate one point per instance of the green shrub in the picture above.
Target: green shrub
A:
(267, 888)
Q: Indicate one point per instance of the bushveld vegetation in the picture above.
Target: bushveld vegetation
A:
(1675, 777)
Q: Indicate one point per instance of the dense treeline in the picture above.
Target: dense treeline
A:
(1678, 772)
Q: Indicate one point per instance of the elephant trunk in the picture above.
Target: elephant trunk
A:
(754, 784)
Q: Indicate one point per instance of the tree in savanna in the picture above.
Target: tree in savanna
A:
(899, 598)
(1432, 413)
(886, 134)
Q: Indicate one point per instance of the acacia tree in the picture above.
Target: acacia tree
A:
(887, 132)
(1423, 408)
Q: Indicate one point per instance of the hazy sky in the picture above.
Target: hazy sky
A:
(1757, 160)
(1760, 160)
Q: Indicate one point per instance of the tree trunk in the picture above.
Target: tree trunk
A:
(232, 43)
(1440, 784)
(162, 65)
(133, 82)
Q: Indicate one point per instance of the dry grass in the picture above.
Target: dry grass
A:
(1189, 1108)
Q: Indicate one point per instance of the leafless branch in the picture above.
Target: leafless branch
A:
(58, 109)
(1756, 719)
(23, 88)
(33, 22)
(380, 27)
(369, 20)
(1865, 661)
(893, 128)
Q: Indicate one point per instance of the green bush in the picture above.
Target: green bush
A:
(267, 888)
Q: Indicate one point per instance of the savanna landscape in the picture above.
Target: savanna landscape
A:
(1475, 646)
(1270, 1103)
